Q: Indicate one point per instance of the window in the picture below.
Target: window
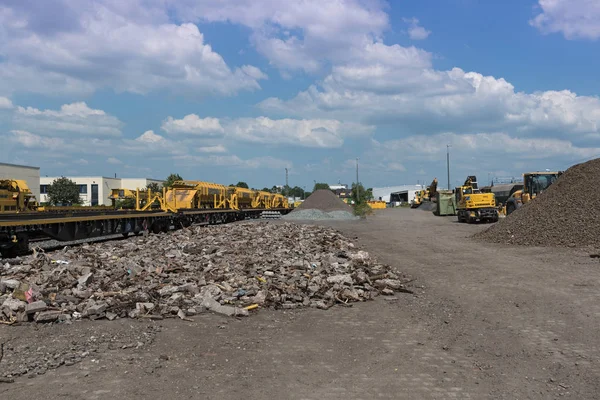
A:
(82, 189)
(43, 189)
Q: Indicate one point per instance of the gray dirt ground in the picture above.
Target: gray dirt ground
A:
(487, 322)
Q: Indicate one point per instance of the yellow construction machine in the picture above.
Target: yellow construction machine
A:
(15, 196)
(472, 205)
(534, 183)
(420, 197)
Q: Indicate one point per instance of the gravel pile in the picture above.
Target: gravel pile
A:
(566, 214)
(228, 269)
(322, 204)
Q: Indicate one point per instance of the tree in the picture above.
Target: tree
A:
(361, 195)
(63, 191)
(172, 178)
(242, 185)
(319, 186)
(274, 189)
(266, 190)
(155, 187)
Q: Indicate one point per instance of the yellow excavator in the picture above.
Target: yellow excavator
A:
(534, 183)
(472, 205)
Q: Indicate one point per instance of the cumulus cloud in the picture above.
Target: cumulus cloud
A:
(30, 140)
(194, 125)
(150, 137)
(575, 19)
(416, 31)
(299, 35)
(212, 149)
(114, 161)
(70, 118)
(134, 50)
(298, 132)
(234, 161)
(5, 103)
(432, 101)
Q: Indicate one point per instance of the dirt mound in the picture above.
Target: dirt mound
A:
(566, 214)
(427, 206)
(324, 200)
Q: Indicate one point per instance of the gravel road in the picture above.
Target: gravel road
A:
(486, 321)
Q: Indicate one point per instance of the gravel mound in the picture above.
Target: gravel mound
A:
(427, 206)
(324, 200)
(565, 215)
(228, 269)
(312, 214)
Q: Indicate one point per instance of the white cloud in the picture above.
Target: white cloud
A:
(193, 124)
(306, 133)
(114, 161)
(150, 137)
(81, 161)
(575, 19)
(71, 118)
(5, 103)
(30, 140)
(299, 35)
(236, 162)
(212, 149)
(134, 50)
(430, 101)
(415, 31)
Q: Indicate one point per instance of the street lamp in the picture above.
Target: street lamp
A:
(448, 163)
(357, 187)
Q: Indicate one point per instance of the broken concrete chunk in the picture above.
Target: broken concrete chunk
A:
(96, 309)
(47, 316)
(340, 279)
(14, 304)
(214, 306)
(36, 306)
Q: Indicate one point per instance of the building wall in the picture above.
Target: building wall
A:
(385, 192)
(139, 183)
(105, 186)
(31, 175)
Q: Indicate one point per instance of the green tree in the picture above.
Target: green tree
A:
(63, 191)
(172, 178)
(266, 190)
(361, 195)
(319, 186)
(275, 189)
(155, 187)
(242, 185)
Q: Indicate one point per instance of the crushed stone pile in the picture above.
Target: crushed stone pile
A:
(566, 214)
(322, 204)
(228, 269)
(428, 206)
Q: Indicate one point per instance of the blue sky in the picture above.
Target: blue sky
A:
(232, 90)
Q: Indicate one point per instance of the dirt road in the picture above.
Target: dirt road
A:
(486, 322)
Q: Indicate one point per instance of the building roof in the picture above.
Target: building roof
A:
(19, 166)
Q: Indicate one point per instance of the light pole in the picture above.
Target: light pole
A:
(448, 163)
(357, 187)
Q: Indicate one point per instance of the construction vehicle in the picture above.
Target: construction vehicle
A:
(15, 196)
(432, 190)
(420, 196)
(472, 205)
(534, 183)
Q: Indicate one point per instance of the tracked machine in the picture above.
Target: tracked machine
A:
(473, 205)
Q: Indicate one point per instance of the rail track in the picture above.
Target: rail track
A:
(19, 229)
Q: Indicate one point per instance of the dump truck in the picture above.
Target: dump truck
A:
(534, 183)
(472, 205)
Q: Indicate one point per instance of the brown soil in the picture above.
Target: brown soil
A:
(566, 214)
(479, 326)
(326, 201)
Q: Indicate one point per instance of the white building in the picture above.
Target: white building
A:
(96, 190)
(400, 193)
(31, 175)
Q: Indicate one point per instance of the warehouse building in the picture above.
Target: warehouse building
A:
(395, 195)
(31, 175)
(96, 190)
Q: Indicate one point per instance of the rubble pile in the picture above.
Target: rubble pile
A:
(565, 214)
(227, 269)
(322, 204)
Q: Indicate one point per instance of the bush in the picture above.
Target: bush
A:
(362, 209)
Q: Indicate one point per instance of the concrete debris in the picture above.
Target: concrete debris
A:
(227, 269)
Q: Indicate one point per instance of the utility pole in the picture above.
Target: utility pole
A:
(286, 183)
(357, 187)
(448, 163)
